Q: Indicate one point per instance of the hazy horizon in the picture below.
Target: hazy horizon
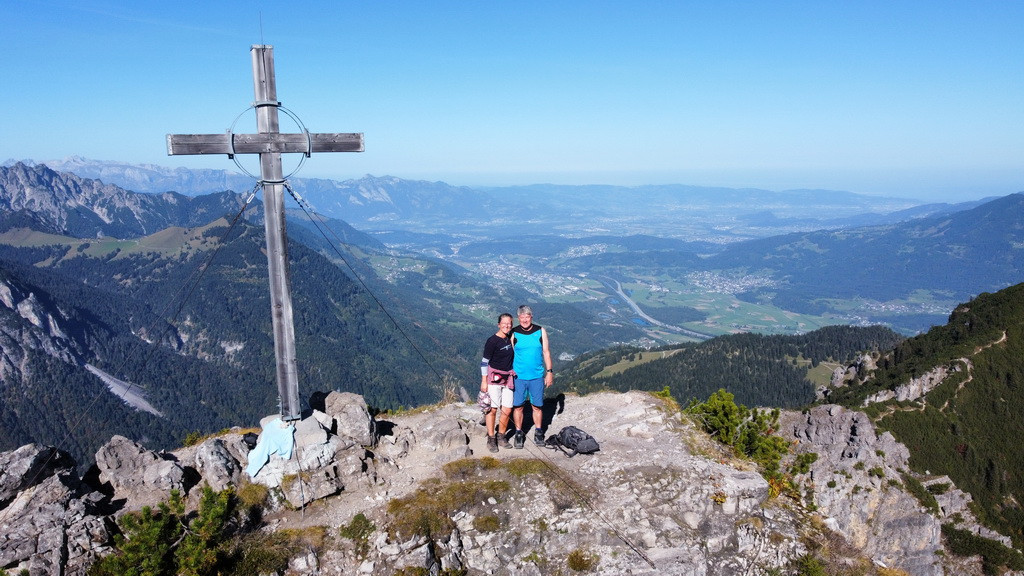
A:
(740, 181)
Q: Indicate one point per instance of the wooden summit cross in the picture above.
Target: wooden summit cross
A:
(269, 143)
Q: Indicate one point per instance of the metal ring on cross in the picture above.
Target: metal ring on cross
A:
(290, 114)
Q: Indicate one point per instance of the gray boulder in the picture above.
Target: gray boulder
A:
(351, 417)
(217, 465)
(29, 465)
(138, 475)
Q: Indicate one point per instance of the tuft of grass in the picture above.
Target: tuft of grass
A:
(489, 523)
(428, 510)
(466, 468)
(263, 553)
(580, 560)
(466, 486)
(252, 495)
(525, 466)
(196, 437)
(306, 538)
(358, 531)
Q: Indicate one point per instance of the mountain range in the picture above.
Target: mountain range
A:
(145, 315)
(180, 315)
(813, 257)
(387, 203)
(118, 262)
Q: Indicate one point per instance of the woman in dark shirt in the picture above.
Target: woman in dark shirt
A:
(496, 380)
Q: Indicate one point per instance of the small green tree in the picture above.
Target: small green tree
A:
(757, 440)
(199, 550)
(720, 416)
(750, 432)
(163, 542)
(145, 545)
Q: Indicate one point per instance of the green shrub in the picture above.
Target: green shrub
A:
(995, 556)
(809, 565)
(200, 549)
(358, 530)
(720, 416)
(193, 438)
(144, 547)
(917, 489)
(167, 542)
(750, 432)
(802, 464)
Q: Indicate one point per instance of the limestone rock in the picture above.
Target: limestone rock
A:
(216, 464)
(52, 525)
(138, 475)
(322, 464)
(856, 484)
(351, 417)
(27, 466)
(658, 499)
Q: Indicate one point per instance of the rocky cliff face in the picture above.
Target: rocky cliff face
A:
(358, 201)
(41, 199)
(26, 324)
(658, 498)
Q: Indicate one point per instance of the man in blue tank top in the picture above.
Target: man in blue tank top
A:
(532, 366)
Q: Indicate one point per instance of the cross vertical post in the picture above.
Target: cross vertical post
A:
(269, 143)
(265, 89)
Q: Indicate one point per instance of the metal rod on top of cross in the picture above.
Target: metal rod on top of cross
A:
(269, 143)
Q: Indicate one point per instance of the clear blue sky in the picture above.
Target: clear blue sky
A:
(914, 99)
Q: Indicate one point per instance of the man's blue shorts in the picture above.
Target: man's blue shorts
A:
(532, 390)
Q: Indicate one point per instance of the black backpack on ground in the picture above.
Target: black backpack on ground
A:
(572, 438)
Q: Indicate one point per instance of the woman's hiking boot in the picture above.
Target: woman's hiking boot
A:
(503, 441)
(520, 439)
(492, 443)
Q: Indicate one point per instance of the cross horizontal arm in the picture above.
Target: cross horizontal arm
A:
(228, 143)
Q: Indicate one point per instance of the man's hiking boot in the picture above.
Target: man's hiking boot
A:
(492, 443)
(520, 439)
(503, 441)
(538, 437)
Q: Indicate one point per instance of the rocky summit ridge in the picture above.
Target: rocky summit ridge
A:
(660, 497)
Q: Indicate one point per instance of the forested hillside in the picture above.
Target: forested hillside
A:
(958, 254)
(970, 425)
(183, 315)
(759, 370)
(214, 365)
